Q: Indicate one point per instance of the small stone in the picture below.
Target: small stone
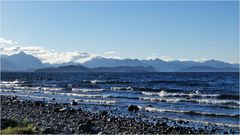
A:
(72, 110)
(62, 109)
(103, 113)
(47, 131)
(109, 119)
(56, 109)
(74, 103)
(180, 121)
(39, 103)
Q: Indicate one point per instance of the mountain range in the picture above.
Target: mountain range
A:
(208, 69)
(80, 68)
(28, 63)
(20, 62)
(158, 64)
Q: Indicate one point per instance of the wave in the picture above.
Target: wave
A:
(32, 88)
(50, 88)
(213, 101)
(92, 95)
(97, 101)
(86, 90)
(29, 96)
(161, 94)
(9, 85)
(121, 88)
(167, 94)
(213, 114)
(162, 99)
(121, 96)
(207, 123)
(118, 82)
(106, 81)
(225, 103)
(182, 83)
(96, 81)
(95, 95)
(153, 109)
(197, 94)
(140, 89)
(78, 100)
(55, 92)
(20, 91)
(11, 82)
(74, 94)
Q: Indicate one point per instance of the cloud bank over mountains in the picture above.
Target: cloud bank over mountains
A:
(9, 47)
(16, 57)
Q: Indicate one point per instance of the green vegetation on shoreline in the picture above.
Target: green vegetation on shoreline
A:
(13, 127)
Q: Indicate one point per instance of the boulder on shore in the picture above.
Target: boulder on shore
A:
(133, 108)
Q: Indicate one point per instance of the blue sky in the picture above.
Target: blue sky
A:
(174, 30)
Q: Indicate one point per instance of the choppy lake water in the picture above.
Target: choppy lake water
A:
(195, 97)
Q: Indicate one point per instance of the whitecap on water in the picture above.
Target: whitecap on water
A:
(165, 94)
(190, 112)
(86, 90)
(97, 101)
(121, 88)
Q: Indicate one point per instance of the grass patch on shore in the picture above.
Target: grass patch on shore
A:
(19, 130)
(13, 127)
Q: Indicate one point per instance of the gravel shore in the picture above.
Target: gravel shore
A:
(62, 118)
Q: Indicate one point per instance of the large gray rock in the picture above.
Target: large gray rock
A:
(133, 108)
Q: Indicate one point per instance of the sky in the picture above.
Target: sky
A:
(61, 31)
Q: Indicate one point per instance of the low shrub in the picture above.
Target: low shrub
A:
(19, 130)
(13, 127)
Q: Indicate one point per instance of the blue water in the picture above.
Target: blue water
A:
(196, 97)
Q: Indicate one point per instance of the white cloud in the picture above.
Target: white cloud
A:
(153, 56)
(200, 60)
(6, 42)
(169, 58)
(9, 47)
(110, 53)
(165, 58)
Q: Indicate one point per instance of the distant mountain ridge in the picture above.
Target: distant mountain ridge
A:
(80, 69)
(158, 64)
(20, 62)
(69, 69)
(100, 62)
(208, 69)
(124, 69)
(28, 63)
